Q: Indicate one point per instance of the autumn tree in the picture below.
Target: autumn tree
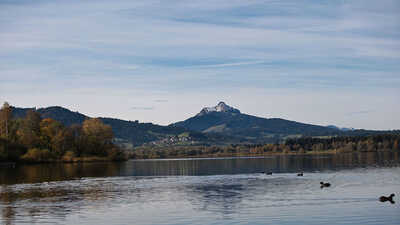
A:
(29, 132)
(396, 145)
(59, 143)
(371, 145)
(98, 136)
(5, 120)
(52, 136)
(74, 139)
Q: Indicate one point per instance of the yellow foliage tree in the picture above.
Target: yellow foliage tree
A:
(29, 133)
(52, 135)
(98, 136)
(5, 119)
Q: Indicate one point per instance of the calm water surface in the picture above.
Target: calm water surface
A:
(205, 191)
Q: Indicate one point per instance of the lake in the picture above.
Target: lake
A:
(205, 191)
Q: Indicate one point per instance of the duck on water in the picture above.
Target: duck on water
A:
(385, 199)
(268, 173)
(325, 184)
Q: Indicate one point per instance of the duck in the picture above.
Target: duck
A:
(300, 174)
(325, 184)
(384, 198)
(269, 173)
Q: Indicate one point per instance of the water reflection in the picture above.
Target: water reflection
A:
(276, 164)
(221, 198)
(51, 193)
(57, 172)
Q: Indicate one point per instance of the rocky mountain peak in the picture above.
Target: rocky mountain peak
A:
(220, 107)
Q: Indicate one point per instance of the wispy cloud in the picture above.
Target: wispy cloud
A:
(180, 48)
(161, 100)
(142, 108)
(361, 112)
(229, 64)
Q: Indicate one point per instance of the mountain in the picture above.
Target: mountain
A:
(340, 128)
(230, 121)
(218, 125)
(63, 115)
(131, 132)
(220, 107)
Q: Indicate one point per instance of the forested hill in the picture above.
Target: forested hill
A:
(130, 131)
(228, 120)
(219, 125)
(243, 124)
(63, 115)
(224, 119)
(140, 133)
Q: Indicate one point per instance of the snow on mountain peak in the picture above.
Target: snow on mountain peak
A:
(220, 107)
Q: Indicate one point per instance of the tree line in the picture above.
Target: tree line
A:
(305, 145)
(34, 139)
(338, 144)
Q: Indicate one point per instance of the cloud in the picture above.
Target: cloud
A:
(142, 108)
(361, 112)
(182, 48)
(229, 64)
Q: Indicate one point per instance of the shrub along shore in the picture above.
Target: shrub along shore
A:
(35, 140)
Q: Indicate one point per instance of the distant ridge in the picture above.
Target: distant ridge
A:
(65, 116)
(342, 129)
(131, 132)
(225, 119)
(220, 124)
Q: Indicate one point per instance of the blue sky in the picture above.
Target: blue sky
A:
(320, 62)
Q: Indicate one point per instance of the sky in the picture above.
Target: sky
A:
(314, 61)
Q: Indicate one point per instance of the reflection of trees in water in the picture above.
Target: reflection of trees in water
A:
(227, 196)
(200, 167)
(282, 164)
(57, 172)
(164, 167)
(8, 210)
(222, 196)
(353, 160)
(56, 202)
(216, 197)
(8, 215)
(294, 163)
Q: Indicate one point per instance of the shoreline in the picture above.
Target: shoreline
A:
(241, 155)
(89, 159)
(94, 159)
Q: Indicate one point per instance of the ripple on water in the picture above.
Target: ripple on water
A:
(248, 198)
